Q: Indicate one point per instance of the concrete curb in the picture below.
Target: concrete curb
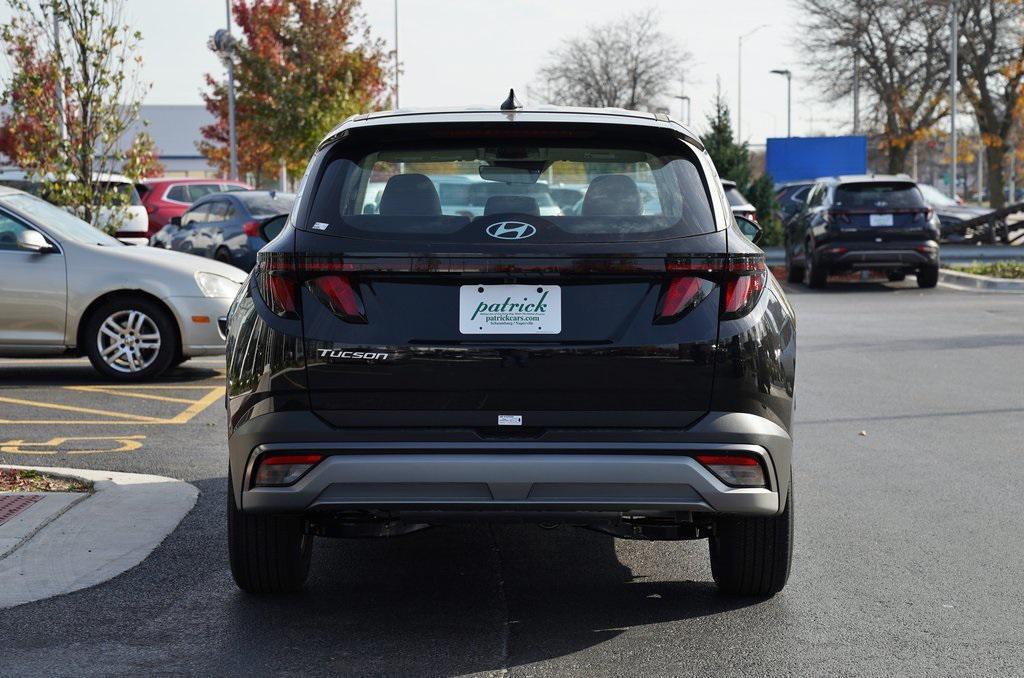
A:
(979, 283)
(107, 533)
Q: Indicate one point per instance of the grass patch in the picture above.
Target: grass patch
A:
(994, 269)
(18, 480)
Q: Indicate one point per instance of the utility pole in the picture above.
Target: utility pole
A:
(232, 132)
(954, 42)
(223, 44)
(789, 98)
(739, 81)
(59, 88)
(856, 94)
(396, 54)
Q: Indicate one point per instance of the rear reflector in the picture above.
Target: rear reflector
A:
(284, 469)
(734, 469)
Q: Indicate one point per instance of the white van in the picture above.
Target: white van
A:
(133, 222)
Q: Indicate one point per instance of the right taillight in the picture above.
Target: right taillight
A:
(734, 469)
(745, 279)
(742, 278)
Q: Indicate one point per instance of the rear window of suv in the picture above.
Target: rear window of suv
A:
(878, 195)
(449, 184)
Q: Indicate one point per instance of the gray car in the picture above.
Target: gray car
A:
(68, 288)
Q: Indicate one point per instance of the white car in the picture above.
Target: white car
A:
(68, 288)
(132, 219)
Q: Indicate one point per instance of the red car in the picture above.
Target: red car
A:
(167, 197)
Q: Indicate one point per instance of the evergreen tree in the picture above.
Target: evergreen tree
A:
(732, 160)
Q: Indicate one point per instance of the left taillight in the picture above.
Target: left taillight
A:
(283, 469)
(252, 229)
(742, 278)
(281, 276)
(277, 282)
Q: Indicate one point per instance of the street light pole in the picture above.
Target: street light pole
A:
(954, 42)
(739, 81)
(232, 134)
(856, 94)
(396, 54)
(789, 98)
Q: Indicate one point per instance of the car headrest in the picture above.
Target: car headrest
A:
(409, 195)
(514, 204)
(612, 195)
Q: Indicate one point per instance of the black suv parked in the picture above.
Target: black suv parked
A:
(627, 369)
(873, 221)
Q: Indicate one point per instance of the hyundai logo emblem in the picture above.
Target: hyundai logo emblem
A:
(511, 230)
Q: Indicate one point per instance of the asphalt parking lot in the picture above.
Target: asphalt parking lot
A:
(910, 421)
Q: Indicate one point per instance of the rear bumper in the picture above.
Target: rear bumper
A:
(839, 255)
(553, 474)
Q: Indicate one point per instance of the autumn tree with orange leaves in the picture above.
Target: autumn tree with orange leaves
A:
(301, 67)
(991, 74)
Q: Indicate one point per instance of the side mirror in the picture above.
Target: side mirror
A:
(176, 221)
(33, 241)
(272, 227)
(749, 228)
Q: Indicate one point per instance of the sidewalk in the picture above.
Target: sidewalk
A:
(59, 542)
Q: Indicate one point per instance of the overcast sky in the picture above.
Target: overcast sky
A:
(458, 52)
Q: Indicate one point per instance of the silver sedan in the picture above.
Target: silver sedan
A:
(67, 288)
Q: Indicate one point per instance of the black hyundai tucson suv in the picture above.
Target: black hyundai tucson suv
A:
(395, 362)
(852, 223)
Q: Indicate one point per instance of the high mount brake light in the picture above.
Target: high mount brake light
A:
(743, 279)
(279, 278)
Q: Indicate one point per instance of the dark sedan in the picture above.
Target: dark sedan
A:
(227, 227)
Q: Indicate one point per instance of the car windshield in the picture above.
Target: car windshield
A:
(736, 199)
(879, 194)
(935, 197)
(629, 190)
(267, 204)
(62, 223)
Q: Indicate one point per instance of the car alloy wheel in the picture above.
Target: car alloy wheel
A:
(128, 341)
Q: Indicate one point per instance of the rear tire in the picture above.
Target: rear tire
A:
(817, 276)
(927, 276)
(752, 556)
(794, 273)
(268, 554)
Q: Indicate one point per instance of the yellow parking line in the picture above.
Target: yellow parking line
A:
(198, 406)
(128, 443)
(194, 407)
(129, 394)
(72, 408)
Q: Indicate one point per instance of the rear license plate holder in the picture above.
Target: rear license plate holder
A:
(880, 220)
(510, 309)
